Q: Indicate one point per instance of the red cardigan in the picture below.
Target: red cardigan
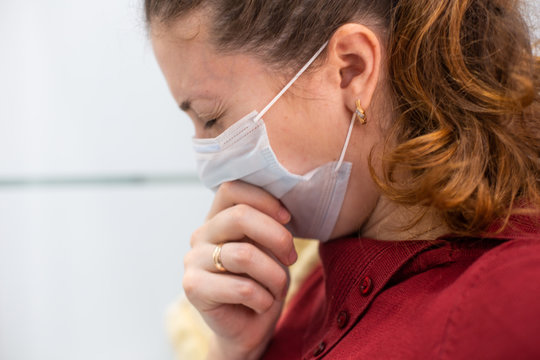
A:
(443, 299)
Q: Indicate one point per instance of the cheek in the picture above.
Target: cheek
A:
(303, 144)
(290, 144)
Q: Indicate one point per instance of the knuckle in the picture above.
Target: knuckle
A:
(189, 283)
(188, 259)
(246, 290)
(195, 236)
(226, 189)
(243, 254)
(239, 213)
(266, 302)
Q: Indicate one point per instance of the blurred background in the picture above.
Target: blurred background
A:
(98, 193)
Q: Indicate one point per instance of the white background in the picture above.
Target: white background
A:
(87, 270)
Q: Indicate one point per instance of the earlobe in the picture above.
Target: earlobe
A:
(355, 51)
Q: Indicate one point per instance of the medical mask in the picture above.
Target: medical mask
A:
(243, 152)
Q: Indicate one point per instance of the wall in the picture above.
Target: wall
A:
(98, 195)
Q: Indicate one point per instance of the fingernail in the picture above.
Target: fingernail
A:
(284, 215)
(293, 256)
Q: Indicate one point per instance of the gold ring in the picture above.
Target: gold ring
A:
(217, 258)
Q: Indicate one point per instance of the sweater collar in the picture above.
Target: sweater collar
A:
(347, 261)
(356, 270)
(386, 259)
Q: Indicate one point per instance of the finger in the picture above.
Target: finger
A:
(243, 258)
(243, 221)
(239, 192)
(206, 291)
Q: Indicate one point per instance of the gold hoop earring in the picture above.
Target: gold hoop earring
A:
(360, 113)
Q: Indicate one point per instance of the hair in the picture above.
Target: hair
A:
(464, 79)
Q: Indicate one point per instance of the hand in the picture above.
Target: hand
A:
(241, 305)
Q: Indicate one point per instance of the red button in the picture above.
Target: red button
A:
(319, 350)
(366, 286)
(342, 319)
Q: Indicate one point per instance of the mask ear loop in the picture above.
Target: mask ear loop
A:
(346, 144)
(289, 84)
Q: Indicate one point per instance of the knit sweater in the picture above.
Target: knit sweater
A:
(452, 298)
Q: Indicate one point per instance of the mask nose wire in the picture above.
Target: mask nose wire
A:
(289, 84)
(346, 143)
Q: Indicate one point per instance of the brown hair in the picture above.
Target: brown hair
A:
(465, 82)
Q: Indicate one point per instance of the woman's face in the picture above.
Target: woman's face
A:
(307, 127)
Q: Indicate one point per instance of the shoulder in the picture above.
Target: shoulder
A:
(497, 312)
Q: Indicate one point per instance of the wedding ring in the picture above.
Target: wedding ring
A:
(217, 258)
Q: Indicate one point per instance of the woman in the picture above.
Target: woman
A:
(402, 134)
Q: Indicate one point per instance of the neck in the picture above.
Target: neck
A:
(390, 221)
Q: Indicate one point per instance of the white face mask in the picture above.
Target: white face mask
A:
(243, 152)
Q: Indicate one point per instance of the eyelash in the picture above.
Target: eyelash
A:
(210, 123)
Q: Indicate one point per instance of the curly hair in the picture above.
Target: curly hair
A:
(465, 83)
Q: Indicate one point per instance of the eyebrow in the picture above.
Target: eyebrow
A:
(185, 105)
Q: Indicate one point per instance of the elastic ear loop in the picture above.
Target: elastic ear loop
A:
(289, 84)
(346, 143)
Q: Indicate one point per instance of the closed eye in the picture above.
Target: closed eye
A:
(210, 123)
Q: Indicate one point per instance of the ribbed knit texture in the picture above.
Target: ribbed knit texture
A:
(453, 298)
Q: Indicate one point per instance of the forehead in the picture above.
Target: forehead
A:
(192, 66)
(183, 53)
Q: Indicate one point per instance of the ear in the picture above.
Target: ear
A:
(355, 52)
